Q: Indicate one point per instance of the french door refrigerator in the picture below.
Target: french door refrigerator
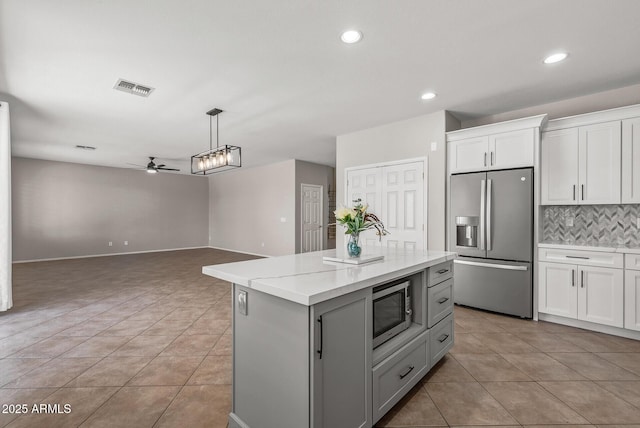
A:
(491, 229)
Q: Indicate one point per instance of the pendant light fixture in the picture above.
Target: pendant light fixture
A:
(222, 158)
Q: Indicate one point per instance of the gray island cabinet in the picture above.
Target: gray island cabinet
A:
(303, 353)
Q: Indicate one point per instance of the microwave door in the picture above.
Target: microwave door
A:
(468, 214)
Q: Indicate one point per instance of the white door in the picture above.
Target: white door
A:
(599, 163)
(403, 205)
(469, 155)
(365, 184)
(601, 295)
(394, 193)
(312, 224)
(631, 161)
(558, 289)
(632, 299)
(559, 167)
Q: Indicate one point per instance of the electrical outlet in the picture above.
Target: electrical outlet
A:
(434, 146)
(568, 222)
(126, 242)
(111, 243)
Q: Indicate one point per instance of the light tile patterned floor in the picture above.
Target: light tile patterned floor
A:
(144, 341)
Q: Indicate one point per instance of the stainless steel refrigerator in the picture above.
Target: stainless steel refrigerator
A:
(491, 229)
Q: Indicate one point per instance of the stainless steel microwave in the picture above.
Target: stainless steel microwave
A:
(391, 311)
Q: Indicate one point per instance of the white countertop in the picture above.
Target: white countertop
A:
(307, 279)
(605, 247)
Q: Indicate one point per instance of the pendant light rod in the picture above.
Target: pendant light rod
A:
(214, 112)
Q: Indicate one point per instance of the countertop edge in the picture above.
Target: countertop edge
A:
(621, 250)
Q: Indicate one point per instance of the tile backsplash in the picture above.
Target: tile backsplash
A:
(592, 224)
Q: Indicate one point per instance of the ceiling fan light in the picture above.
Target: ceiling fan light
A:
(151, 171)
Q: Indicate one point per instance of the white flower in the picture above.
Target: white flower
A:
(343, 212)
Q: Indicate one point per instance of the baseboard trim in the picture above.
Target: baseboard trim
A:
(107, 255)
(615, 331)
(238, 251)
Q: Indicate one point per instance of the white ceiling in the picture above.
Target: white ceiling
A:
(287, 83)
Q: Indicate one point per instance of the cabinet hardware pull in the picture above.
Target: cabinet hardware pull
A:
(573, 278)
(581, 279)
(485, 158)
(444, 299)
(574, 193)
(582, 191)
(320, 350)
(406, 372)
(491, 158)
(577, 257)
(443, 338)
(441, 271)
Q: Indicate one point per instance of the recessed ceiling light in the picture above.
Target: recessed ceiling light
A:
(351, 36)
(428, 96)
(557, 57)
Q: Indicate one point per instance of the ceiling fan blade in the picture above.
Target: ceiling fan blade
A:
(161, 165)
(168, 169)
(135, 164)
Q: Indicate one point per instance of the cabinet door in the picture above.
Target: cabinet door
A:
(469, 155)
(558, 291)
(511, 149)
(341, 361)
(599, 163)
(632, 300)
(559, 167)
(631, 161)
(601, 295)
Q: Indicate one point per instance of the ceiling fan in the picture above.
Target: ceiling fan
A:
(152, 168)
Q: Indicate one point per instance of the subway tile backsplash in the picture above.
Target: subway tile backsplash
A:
(592, 224)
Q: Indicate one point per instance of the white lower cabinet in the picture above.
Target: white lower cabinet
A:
(586, 293)
(632, 292)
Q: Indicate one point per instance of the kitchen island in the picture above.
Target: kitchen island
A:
(303, 353)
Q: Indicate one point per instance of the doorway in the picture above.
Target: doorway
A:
(312, 220)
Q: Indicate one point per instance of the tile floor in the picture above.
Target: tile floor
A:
(144, 341)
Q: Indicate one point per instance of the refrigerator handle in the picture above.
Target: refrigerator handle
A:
(482, 206)
(489, 215)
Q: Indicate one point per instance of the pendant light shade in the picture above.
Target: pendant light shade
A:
(222, 158)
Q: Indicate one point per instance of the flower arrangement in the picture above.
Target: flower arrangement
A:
(357, 220)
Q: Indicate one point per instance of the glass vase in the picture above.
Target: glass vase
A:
(353, 249)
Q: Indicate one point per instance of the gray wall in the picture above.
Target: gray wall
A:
(247, 206)
(65, 210)
(397, 141)
(311, 173)
(621, 97)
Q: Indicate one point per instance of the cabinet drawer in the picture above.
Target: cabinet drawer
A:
(396, 375)
(583, 258)
(441, 339)
(440, 273)
(632, 261)
(440, 302)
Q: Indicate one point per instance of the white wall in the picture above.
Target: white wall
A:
(621, 97)
(66, 210)
(321, 175)
(6, 300)
(406, 139)
(246, 207)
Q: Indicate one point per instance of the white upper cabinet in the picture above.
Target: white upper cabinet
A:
(559, 167)
(631, 161)
(512, 149)
(469, 154)
(498, 146)
(581, 165)
(599, 163)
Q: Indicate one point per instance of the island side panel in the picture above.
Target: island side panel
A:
(270, 362)
(341, 372)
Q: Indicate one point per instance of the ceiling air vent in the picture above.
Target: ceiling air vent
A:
(133, 88)
(78, 146)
